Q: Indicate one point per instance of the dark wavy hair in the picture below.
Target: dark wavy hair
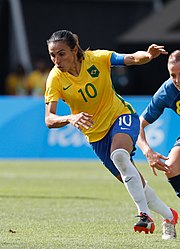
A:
(69, 38)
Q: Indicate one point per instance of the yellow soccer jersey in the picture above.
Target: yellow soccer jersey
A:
(90, 92)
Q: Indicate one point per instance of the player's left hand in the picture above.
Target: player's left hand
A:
(155, 50)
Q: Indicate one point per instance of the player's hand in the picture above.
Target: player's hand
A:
(155, 162)
(81, 120)
(155, 50)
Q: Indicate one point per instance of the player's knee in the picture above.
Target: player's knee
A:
(120, 158)
(174, 169)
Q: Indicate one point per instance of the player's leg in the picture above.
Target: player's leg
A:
(124, 135)
(154, 202)
(121, 148)
(102, 149)
(174, 163)
(170, 216)
(131, 180)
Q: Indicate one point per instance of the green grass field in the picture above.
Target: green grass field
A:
(57, 204)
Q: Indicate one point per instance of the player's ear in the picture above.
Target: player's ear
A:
(75, 49)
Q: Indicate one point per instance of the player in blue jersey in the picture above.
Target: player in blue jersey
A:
(167, 96)
(82, 79)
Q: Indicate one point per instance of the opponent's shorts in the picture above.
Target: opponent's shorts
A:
(177, 143)
(126, 123)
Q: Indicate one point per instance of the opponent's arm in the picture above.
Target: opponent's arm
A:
(154, 158)
(80, 120)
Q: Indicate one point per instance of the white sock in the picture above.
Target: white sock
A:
(131, 179)
(156, 205)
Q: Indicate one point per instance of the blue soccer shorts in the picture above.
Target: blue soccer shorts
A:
(126, 123)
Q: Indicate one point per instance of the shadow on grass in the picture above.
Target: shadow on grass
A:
(50, 197)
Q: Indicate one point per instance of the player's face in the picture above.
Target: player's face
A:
(174, 71)
(62, 55)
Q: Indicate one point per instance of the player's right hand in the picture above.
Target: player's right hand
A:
(155, 162)
(81, 120)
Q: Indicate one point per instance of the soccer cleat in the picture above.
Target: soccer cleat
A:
(145, 224)
(169, 230)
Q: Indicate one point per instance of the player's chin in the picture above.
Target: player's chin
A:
(62, 69)
(177, 86)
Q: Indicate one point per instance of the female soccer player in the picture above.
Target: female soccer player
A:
(82, 79)
(167, 96)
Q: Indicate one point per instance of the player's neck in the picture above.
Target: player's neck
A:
(75, 69)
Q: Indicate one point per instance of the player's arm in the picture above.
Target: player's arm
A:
(154, 158)
(143, 57)
(80, 120)
(53, 120)
(137, 58)
(142, 142)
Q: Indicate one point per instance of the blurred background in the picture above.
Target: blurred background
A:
(121, 25)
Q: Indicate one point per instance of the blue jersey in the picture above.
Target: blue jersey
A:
(167, 96)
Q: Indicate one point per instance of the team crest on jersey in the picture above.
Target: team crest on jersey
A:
(93, 71)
